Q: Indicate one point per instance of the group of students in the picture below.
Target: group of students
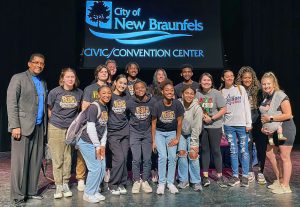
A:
(176, 122)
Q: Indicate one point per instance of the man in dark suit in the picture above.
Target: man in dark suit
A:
(26, 109)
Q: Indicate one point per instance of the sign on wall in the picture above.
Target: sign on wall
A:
(153, 33)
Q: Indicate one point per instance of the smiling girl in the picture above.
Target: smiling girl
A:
(237, 123)
(92, 144)
(63, 106)
(213, 105)
(118, 136)
(166, 131)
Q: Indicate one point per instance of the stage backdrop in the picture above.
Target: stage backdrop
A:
(153, 33)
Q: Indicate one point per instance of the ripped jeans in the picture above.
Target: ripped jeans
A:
(238, 140)
(187, 165)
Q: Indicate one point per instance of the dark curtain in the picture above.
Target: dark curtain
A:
(262, 34)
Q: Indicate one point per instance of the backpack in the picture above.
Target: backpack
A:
(78, 125)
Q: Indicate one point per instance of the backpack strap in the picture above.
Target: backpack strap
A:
(99, 109)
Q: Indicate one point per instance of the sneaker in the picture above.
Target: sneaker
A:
(107, 175)
(183, 185)
(173, 189)
(233, 181)
(221, 182)
(154, 176)
(59, 192)
(115, 191)
(205, 181)
(275, 185)
(282, 190)
(251, 177)
(197, 187)
(136, 187)
(160, 189)
(261, 179)
(122, 190)
(100, 196)
(90, 198)
(67, 192)
(80, 185)
(146, 187)
(245, 182)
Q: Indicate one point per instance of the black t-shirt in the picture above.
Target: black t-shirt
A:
(100, 124)
(118, 114)
(141, 113)
(64, 106)
(167, 115)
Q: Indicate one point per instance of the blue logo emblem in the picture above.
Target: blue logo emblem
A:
(99, 15)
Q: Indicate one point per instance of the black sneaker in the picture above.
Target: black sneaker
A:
(205, 181)
(221, 182)
(245, 182)
(233, 181)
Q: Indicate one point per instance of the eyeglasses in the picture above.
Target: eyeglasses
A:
(38, 63)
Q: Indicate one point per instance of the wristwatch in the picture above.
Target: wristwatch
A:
(271, 118)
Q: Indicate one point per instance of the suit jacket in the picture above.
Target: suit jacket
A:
(22, 103)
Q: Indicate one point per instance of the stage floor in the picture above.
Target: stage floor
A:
(255, 195)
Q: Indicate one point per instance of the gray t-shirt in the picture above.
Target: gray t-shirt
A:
(90, 93)
(210, 103)
(64, 106)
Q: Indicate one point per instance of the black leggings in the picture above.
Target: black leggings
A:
(259, 139)
(210, 141)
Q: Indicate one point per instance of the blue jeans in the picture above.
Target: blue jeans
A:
(185, 165)
(95, 167)
(238, 140)
(162, 140)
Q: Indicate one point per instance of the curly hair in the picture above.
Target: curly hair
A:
(255, 84)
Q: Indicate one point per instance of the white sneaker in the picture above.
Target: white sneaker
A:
(251, 177)
(107, 176)
(90, 198)
(173, 189)
(115, 192)
(59, 192)
(136, 187)
(122, 190)
(261, 179)
(100, 196)
(81, 185)
(67, 192)
(146, 187)
(160, 189)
